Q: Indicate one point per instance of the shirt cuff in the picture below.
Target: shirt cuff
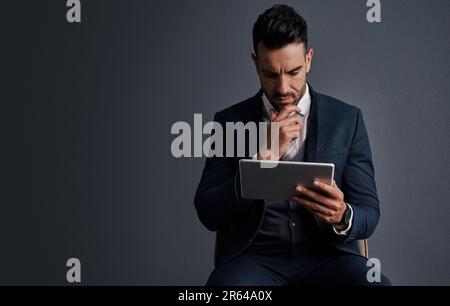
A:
(345, 231)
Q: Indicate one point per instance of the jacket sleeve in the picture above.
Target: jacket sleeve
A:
(358, 184)
(218, 197)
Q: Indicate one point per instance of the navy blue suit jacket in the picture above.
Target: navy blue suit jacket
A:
(336, 134)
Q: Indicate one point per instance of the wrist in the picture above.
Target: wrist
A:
(345, 219)
(340, 226)
(263, 156)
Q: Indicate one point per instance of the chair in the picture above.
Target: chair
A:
(363, 248)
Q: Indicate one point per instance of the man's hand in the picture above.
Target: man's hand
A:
(290, 127)
(328, 205)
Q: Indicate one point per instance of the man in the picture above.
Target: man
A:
(311, 239)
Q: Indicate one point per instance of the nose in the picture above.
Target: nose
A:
(282, 85)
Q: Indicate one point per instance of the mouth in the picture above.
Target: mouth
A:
(282, 99)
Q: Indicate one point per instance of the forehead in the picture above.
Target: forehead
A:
(289, 55)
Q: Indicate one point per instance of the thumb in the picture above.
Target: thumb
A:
(273, 115)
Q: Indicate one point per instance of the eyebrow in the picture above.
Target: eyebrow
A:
(274, 72)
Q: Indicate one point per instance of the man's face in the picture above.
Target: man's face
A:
(282, 72)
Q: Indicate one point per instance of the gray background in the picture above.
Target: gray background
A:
(86, 111)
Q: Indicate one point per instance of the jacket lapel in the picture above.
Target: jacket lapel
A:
(312, 130)
(255, 113)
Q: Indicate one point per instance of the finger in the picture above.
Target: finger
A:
(291, 128)
(296, 129)
(324, 218)
(317, 197)
(291, 112)
(313, 206)
(292, 135)
(330, 190)
(293, 120)
(273, 115)
(284, 112)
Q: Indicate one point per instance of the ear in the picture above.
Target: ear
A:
(309, 56)
(255, 60)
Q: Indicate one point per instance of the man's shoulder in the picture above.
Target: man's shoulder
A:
(336, 108)
(335, 105)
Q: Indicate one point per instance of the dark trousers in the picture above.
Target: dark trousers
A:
(284, 264)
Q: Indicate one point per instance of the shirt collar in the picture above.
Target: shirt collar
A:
(304, 104)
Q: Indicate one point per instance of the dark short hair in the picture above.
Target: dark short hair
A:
(279, 26)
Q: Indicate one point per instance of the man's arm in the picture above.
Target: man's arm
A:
(358, 190)
(218, 197)
(358, 184)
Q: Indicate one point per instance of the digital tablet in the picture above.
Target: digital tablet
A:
(266, 182)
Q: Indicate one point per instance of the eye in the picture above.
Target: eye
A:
(294, 73)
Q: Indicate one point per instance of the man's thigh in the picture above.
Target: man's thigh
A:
(243, 271)
(343, 269)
